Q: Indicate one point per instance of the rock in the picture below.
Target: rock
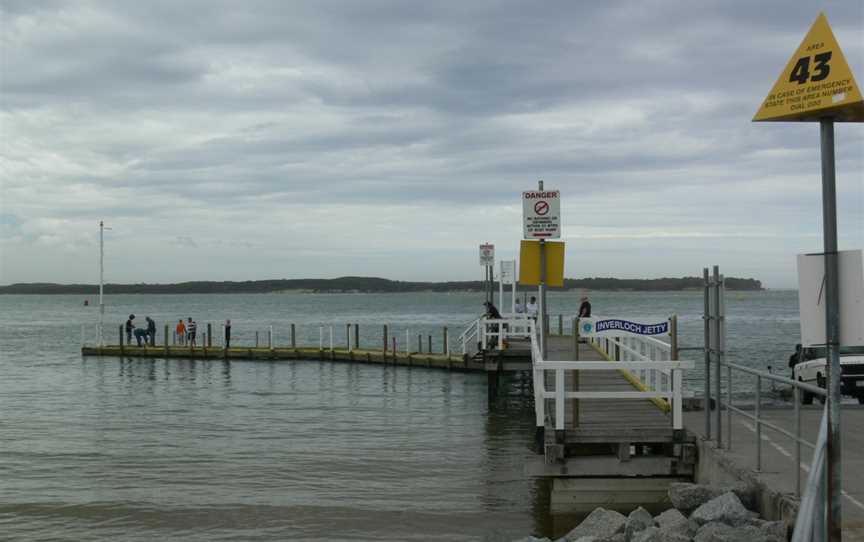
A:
(672, 520)
(688, 497)
(674, 537)
(600, 523)
(532, 539)
(726, 508)
(774, 529)
(637, 521)
(721, 532)
(651, 534)
(615, 538)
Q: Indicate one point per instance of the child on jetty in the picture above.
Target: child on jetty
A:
(181, 332)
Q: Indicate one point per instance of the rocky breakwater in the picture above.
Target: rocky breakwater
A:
(700, 514)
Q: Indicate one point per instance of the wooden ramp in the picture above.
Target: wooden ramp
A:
(605, 420)
(608, 438)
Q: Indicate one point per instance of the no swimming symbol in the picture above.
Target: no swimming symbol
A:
(541, 208)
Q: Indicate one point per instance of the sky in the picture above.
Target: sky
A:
(267, 139)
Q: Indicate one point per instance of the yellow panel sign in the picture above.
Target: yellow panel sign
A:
(529, 263)
(817, 82)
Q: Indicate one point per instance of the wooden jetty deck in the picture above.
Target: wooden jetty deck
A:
(410, 359)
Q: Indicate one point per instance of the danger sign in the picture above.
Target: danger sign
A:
(541, 214)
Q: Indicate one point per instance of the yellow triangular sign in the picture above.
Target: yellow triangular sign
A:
(816, 83)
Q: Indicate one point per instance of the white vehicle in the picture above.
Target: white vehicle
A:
(808, 366)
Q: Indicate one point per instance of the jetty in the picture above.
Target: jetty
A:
(615, 425)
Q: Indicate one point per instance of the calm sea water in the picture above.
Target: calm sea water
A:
(126, 449)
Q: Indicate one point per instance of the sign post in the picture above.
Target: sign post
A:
(817, 85)
(507, 275)
(541, 214)
(487, 260)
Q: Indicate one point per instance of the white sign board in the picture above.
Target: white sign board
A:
(487, 254)
(811, 298)
(541, 214)
(508, 272)
(619, 327)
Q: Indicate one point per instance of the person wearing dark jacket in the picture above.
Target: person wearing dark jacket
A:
(585, 308)
(227, 333)
(151, 331)
(130, 327)
(493, 314)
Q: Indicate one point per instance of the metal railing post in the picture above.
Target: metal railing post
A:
(796, 396)
(728, 407)
(500, 336)
(758, 424)
(559, 399)
(715, 320)
(677, 407)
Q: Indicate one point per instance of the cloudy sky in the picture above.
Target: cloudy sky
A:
(251, 140)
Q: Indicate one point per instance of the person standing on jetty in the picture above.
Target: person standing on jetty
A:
(130, 327)
(151, 330)
(181, 332)
(585, 308)
(227, 333)
(531, 309)
(191, 331)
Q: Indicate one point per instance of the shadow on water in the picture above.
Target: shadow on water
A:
(512, 415)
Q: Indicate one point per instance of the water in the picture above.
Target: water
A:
(114, 449)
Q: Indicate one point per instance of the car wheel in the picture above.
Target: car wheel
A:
(806, 396)
(861, 398)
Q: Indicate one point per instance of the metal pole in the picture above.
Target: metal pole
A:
(356, 336)
(101, 281)
(501, 285)
(513, 291)
(728, 407)
(446, 342)
(796, 396)
(832, 329)
(759, 425)
(707, 353)
(293, 337)
(542, 287)
(717, 369)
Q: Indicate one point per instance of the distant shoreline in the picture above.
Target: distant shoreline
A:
(344, 285)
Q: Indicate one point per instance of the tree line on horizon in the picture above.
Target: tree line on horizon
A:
(364, 285)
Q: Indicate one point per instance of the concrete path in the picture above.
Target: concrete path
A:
(778, 453)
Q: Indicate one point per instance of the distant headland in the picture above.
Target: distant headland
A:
(363, 285)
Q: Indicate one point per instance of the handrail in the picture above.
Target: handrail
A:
(810, 522)
(797, 389)
(674, 392)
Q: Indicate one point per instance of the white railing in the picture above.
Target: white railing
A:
(640, 349)
(493, 332)
(637, 351)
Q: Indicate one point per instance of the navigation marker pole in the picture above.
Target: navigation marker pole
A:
(101, 281)
(832, 328)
